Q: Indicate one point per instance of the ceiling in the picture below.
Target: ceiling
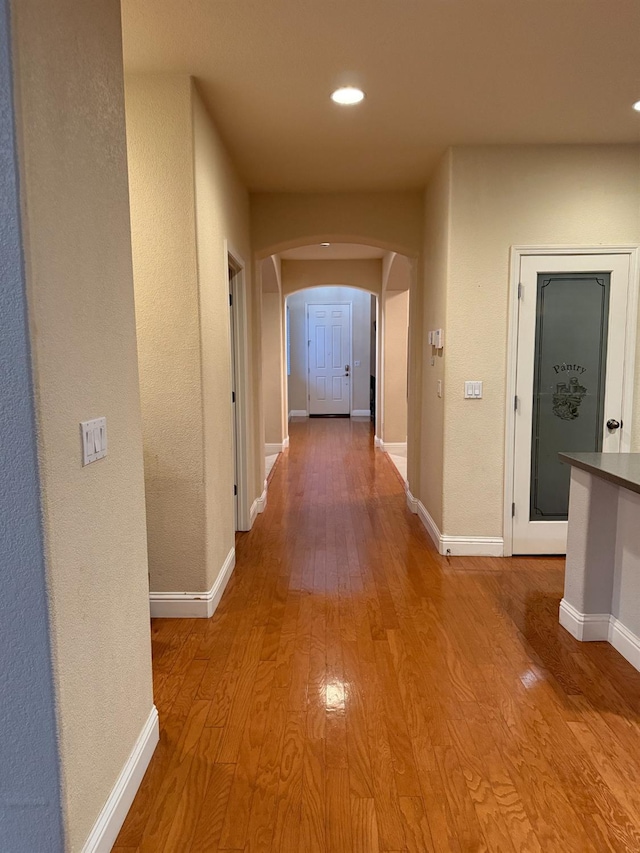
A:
(436, 73)
(333, 252)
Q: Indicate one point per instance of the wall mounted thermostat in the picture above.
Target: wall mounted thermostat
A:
(94, 440)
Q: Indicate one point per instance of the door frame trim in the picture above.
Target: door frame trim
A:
(516, 255)
(239, 309)
(307, 365)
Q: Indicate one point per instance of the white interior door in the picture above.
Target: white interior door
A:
(572, 322)
(329, 368)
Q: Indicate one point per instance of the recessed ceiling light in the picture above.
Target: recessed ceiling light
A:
(636, 106)
(347, 95)
(325, 245)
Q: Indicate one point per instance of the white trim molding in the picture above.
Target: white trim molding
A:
(625, 642)
(377, 442)
(298, 413)
(516, 255)
(193, 605)
(430, 526)
(259, 505)
(285, 443)
(472, 546)
(105, 830)
(361, 413)
(593, 627)
(398, 448)
(270, 449)
(585, 627)
(412, 503)
(459, 546)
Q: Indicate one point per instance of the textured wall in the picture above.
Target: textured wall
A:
(186, 201)
(396, 327)
(30, 806)
(504, 196)
(361, 325)
(222, 214)
(365, 273)
(80, 295)
(161, 180)
(273, 367)
(433, 314)
(273, 352)
(387, 219)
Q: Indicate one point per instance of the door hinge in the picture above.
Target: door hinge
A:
(513, 510)
(520, 290)
(235, 490)
(515, 403)
(233, 396)
(231, 299)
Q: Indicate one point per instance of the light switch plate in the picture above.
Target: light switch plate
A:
(473, 390)
(94, 440)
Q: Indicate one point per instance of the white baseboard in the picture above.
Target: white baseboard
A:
(298, 413)
(192, 605)
(460, 546)
(105, 830)
(429, 524)
(625, 641)
(377, 442)
(412, 503)
(361, 413)
(397, 448)
(259, 505)
(472, 546)
(285, 443)
(584, 626)
(270, 449)
(593, 627)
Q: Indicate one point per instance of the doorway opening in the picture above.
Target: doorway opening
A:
(354, 365)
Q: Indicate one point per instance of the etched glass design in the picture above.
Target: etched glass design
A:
(572, 312)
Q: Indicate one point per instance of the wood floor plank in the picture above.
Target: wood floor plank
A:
(356, 691)
(364, 826)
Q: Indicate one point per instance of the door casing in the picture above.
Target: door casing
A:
(517, 253)
(241, 360)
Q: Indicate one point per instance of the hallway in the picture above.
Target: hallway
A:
(356, 691)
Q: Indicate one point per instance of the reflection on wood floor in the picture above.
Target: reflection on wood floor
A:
(357, 692)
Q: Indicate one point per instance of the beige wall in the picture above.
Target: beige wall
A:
(361, 325)
(503, 196)
(395, 332)
(161, 180)
(386, 219)
(78, 255)
(185, 202)
(222, 216)
(367, 274)
(433, 315)
(273, 352)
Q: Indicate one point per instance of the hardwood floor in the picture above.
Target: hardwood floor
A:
(357, 692)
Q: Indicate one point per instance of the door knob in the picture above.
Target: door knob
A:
(613, 424)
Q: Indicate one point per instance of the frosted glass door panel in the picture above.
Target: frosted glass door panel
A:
(569, 382)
